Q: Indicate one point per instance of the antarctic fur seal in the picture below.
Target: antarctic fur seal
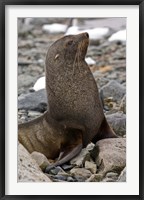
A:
(75, 114)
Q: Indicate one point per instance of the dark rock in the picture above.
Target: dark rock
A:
(113, 89)
(67, 167)
(56, 170)
(118, 122)
(34, 101)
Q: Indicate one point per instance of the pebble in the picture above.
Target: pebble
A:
(91, 166)
(80, 172)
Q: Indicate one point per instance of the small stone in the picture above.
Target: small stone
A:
(112, 175)
(95, 178)
(108, 180)
(82, 172)
(80, 178)
(34, 114)
(56, 170)
(67, 167)
(91, 166)
(41, 159)
(70, 179)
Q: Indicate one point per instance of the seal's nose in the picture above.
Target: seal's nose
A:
(86, 34)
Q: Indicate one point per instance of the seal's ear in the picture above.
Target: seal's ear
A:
(57, 55)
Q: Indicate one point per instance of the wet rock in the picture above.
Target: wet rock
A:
(41, 159)
(122, 177)
(118, 122)
(28, 169)
(80, 174)
(113, 89)
(110, 155)
(123, 104)
(34, 101)
(95, 178)
(91, 166)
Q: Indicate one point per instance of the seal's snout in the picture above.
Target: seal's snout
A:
(86, 34)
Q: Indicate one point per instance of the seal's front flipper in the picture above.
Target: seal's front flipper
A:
(105, 131)
(69, 149)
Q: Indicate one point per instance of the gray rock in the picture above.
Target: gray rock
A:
(111, 155)
(113, 89)
(41, 159)
(123, 104)
(95, 178)
(34, 101)
(57, 170)
(118, 122)
(28, 169)
(82, 173)
(91, 166)
(122, 177)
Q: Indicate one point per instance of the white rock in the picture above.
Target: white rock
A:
(118, 36)
(40, 84)
(54, 28)
(90, 61)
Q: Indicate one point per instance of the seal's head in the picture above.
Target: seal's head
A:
(69, 49)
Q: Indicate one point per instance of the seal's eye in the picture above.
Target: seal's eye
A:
(70, 42)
